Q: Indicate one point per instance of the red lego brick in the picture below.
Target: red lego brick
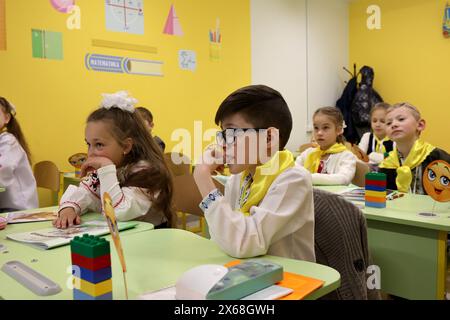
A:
(93, 264)
(376, 183)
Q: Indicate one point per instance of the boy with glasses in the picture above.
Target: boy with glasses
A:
(267, 207)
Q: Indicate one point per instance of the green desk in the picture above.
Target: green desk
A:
(155, 259)
(410, 249)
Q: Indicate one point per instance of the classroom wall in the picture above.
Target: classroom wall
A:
(54, 97)
(410, 57)
(299, 47)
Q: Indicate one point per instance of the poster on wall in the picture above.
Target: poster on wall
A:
(215, 42)
(173, 26)
(114, 64)
(125, 16)
(187, 60)
(446, 24)
(2, 25)
(47, 44)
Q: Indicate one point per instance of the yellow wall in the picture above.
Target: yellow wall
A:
(54, 98)
(410, 56)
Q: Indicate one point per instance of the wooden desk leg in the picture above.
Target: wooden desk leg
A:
(412, 260)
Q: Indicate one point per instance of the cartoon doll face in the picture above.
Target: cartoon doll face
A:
(78, 159)
(436, 180)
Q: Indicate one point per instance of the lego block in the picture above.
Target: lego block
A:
(375, 188)
(375, 199)
(376, 205)
(93, 289)
(375, 194)
(95, 276)
(378, 183)
(93, 264)
(89, 246)
(79, 295)
(377, 176)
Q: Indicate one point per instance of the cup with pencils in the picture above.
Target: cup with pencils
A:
(215, 43)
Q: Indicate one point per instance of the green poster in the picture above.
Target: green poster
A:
(47, 44)
(53, 45)
(38, 43)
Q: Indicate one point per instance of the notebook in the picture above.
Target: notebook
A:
(52, 237)
(301, 285)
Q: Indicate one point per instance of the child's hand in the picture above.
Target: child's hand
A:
(213, 159)
(94, 163)
(67, 218)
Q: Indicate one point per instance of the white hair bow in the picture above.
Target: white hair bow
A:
(119, 100)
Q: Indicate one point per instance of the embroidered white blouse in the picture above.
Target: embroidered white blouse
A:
(282, 224)
(130, 203)
(16, 176)
(339, 168)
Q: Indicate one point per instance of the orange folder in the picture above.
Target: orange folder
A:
(301, 285)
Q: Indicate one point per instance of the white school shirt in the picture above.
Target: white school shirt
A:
(130, 203)
(282, 224)
(374, 157)
(339, 168)
(16, 176)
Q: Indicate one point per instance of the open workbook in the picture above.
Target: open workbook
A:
(51, 237)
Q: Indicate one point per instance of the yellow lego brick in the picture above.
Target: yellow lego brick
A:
(94, 290)
(375, 194)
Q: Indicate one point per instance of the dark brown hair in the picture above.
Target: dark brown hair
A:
(336, 116)
(145, 114)
(13, 126)
(261, 106)
(156, 177)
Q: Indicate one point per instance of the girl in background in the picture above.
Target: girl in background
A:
(16, 175)
(376, 144)
(330, 163)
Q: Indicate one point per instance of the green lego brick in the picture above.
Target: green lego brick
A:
(378, 176)
(90, 246)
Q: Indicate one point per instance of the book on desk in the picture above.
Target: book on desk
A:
(52, 237)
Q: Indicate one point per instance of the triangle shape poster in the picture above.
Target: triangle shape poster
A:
(173, 26)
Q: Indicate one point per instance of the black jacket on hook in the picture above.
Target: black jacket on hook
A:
(344, 104)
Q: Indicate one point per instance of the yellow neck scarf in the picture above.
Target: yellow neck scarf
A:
(379, 146)
(264, 176)
(313, 160)
(416, 156)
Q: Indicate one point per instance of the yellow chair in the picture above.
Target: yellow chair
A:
(178, 163)
(362, 168)
(47, 176)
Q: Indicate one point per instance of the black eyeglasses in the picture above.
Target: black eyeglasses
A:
(228, 136)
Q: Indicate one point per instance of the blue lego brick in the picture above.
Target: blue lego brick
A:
(376, 205)
(80, 295)
(95, 276)
(375, 188)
